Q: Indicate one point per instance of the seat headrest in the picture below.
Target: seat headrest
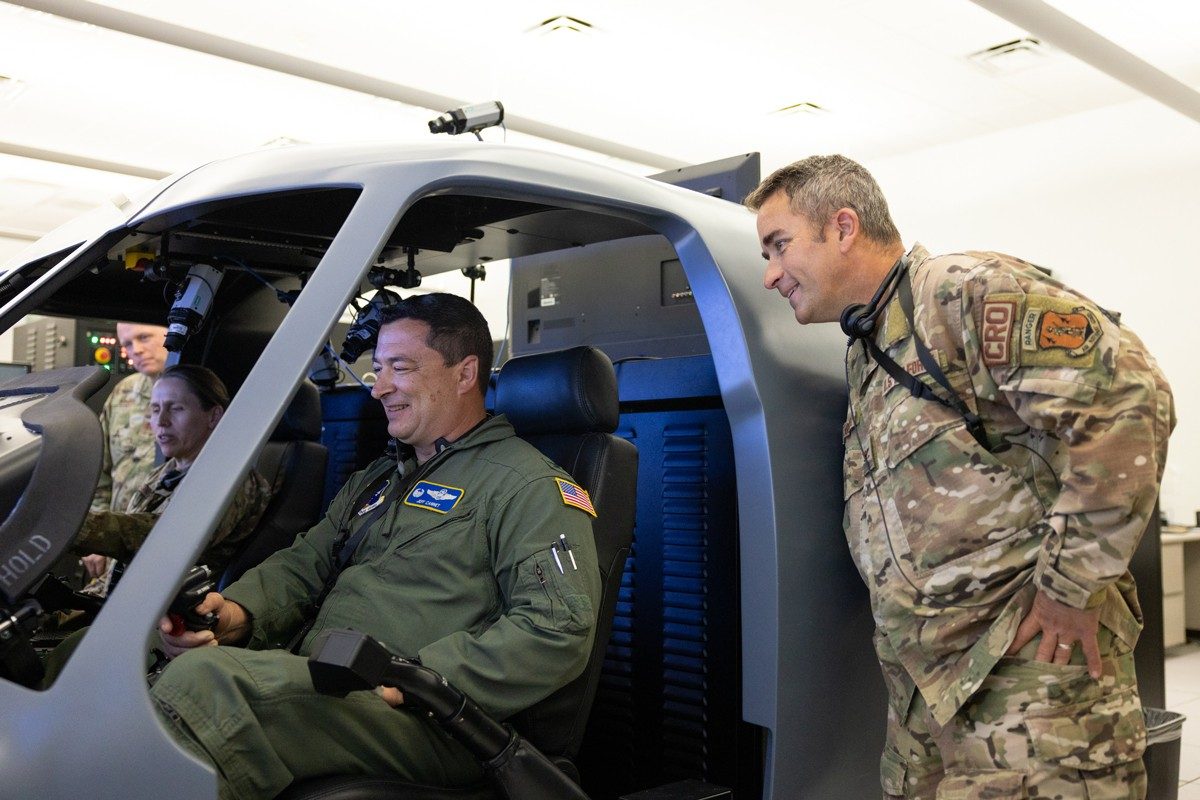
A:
(301, 420)
(568, 391)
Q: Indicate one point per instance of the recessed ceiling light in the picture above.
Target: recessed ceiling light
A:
(804, 107)
(1013, 56)
(559, 24)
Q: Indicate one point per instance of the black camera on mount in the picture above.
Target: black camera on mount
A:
(468, 119)
(362, 334)
(192, 301)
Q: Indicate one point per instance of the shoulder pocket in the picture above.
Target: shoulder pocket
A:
(415, 524)
(914, 423)
(972, 506)
(552, 601)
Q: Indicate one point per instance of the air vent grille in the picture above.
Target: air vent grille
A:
(1012, 56)
(561, 24)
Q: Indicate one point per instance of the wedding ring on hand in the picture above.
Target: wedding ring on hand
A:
(1064, 646)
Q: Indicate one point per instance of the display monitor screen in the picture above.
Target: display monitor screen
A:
(729, 179)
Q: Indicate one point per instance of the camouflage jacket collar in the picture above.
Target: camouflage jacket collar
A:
(894, 326)
(892, 329)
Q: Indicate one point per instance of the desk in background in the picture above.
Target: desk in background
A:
(1180, 583)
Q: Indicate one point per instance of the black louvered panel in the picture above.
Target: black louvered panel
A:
(610, 744)
(613, 721)
(684, 621)
(668, 707)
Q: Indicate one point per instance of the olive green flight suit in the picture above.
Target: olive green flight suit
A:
(465, 581)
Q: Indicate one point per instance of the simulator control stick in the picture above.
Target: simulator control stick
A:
(182, 611)
(343, 661)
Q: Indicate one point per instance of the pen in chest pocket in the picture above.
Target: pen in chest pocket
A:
(565, 547)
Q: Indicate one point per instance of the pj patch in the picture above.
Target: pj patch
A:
(1039, 331)
(433, 496)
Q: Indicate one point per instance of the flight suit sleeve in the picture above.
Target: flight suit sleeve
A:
(1066, 368)
(279, 591)
(544, 634)
(239, 522)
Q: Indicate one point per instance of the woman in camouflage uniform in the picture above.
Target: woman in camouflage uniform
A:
(186, 404)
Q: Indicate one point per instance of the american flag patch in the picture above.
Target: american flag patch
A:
(576, 496)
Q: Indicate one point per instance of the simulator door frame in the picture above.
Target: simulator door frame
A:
(809, 676)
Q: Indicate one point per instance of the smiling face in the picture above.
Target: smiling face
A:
(424, 398)
(144, 346)
(804, 263)
(181, 425)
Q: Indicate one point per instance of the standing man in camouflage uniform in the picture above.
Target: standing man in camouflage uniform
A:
(992, 513)
(128, 456)
(125, 419)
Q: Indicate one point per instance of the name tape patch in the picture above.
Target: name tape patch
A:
(914, 368)
(434, 496)
(998, 318)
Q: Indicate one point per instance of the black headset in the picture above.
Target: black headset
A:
(858, 319)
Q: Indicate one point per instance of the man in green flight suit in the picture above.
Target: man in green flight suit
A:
(454, 567)
(1005, 440)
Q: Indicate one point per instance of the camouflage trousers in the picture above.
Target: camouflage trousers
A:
(1033, 730)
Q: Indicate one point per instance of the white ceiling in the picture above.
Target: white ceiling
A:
(685, 80)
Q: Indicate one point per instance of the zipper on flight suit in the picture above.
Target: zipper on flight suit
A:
(554, 600)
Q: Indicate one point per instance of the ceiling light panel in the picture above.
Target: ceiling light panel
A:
(561, 24)
(804, 108)
(1011, 56)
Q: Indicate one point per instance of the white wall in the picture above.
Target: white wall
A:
(8, 248)
(1110, 201)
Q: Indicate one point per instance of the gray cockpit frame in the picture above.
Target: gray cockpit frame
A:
(809, 678)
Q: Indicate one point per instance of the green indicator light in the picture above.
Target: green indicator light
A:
(108, 367)
(95, 340)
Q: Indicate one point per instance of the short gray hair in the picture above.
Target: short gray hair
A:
(818, 186)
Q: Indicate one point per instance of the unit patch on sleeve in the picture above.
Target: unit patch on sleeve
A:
(433, 496)
(1059, 332)
(575, 496)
